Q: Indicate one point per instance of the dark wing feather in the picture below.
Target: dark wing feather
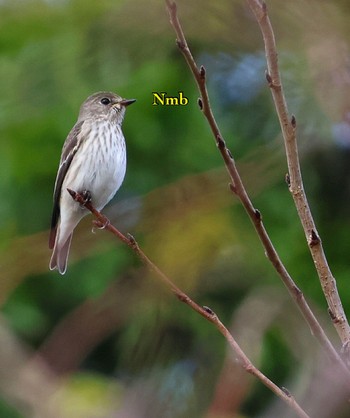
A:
(70, 148)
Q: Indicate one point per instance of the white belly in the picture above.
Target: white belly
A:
(100, 163)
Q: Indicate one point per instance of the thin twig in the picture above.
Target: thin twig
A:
(103, 222)
(296, 187)
(239, 190)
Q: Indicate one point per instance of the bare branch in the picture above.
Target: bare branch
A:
(239, 190)
(296, 187)
(104, 223)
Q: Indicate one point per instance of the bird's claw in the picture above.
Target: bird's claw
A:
(101, 223)
(86, 195)
(83, 197)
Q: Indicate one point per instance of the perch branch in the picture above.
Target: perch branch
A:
(239, 190)
(295, 183)
(102, 222)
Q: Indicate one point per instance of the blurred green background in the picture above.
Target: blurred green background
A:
(108, 339)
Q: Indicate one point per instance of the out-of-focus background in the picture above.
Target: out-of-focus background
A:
(108, 339)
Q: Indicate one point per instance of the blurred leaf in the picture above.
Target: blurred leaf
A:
(89, 395)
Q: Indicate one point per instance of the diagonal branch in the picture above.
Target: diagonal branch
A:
(295, 181)
(239, 190)
(102, 222)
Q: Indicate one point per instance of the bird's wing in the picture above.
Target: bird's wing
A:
(70, 147)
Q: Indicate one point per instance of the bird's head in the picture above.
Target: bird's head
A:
(106, 105)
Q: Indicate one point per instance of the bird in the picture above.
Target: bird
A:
(93, 163)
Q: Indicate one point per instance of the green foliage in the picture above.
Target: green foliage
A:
(8, 411)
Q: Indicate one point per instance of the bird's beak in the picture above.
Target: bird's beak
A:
(127, 102)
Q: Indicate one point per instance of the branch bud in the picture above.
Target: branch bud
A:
(233, 188)
(268, 78)
(286, 391)
(293, 121)
(331, 314)
(208, 310)
(287, 179)
(220, 142)
(314, 239)
(131, 239)
(180, 44)
(257, 214)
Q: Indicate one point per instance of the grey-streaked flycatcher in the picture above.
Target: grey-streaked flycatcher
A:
(93, 162)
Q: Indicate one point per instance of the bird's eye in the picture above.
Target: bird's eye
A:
(105, 101)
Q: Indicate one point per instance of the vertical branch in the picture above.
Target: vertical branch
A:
(295, 181)
(239, 190)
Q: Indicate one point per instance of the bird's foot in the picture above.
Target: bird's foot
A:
(86, 195)
(101, 223)
(83, 197)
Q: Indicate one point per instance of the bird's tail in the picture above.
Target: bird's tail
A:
(60, 255)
